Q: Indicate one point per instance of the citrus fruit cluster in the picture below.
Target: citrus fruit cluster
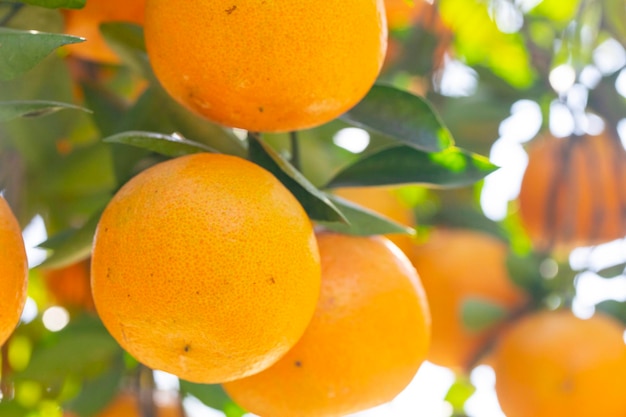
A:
(205, 266)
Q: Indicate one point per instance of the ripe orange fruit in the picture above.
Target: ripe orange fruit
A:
(456, 266)
(126, 404)
(385, 201)
(70, 286)
(573, 192)
(267, 65)
(554, 364)
(13, 271)
(205, 266)
(369, 336)
(86, 22)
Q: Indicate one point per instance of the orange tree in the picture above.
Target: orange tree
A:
(307, 83)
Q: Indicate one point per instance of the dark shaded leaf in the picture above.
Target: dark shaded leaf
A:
(453, 167)
(401, 115)
(156, 142)
(79, 347)
(57, 4)
(479, 314)
(21, 50)
(614, 308)
(524, 272)
(10, 110)
(72, 245)
(316, 203)
(612, 271)
(96, 393)
(362, 221)
(212, 395)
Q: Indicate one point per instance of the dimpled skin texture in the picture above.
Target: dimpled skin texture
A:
(575, 198)
(457, 265)
(205, 266)
(369, 336)
(86, 22)
(383, 200)
(13, 271)
(266, 65)
(553, 364)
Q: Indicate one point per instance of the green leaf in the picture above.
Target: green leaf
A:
(10, 110)
(362, 221)
(403, 116)
(56, 4)
(212, 395)
(613, 271)
(96, 393)
(78, 348)
(479, 314)
(615, 14)
(524, 272)
(452, 167)
(11, 408)
(72, 245)
(21, 50)
(316, 203)
(167, 145)
(615, 309)
(460, 391)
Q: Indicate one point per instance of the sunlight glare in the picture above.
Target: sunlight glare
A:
(55, 318)
(30, 311)
(609, 56)
(35, 233)
(562, 78)
(352, 139)
(484, 402)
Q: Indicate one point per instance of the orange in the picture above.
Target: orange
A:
(385, 201)
(553, 364)
(573, 192)
(13, 271)
(457, 266)
(126, 404)
(369, 336)
(70, 286)
(86, 22)
(266, 65)
(206, 267)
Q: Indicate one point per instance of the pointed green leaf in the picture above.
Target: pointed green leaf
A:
(167, 145)
(362, 221)
(212, 395)
(21, 50)
(615, 14)
(479, 314)
(71, 246)
(317, 204)
(403, 116)
(56, 4)
(10, 110)
(452, 167)
(613, 271)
